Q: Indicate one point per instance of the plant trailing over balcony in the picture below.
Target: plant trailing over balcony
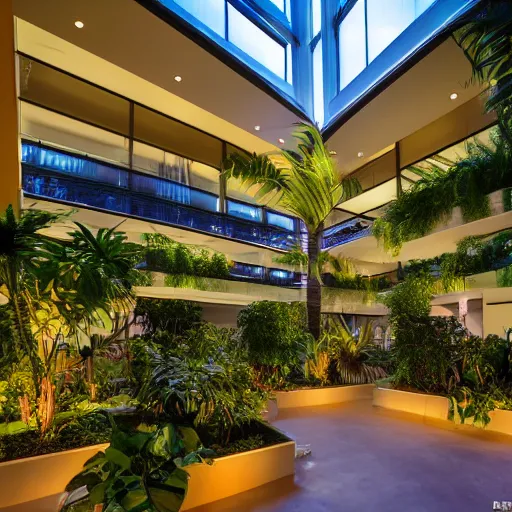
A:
(431, 199)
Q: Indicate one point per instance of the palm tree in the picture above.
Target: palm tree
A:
(487, 42)
(309, 186)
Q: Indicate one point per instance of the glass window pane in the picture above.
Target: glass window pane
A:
(209, 12)
(281, 221)
(316, 12)
(175, 137)
(204, 177)
(352, 43)
(63, 93)
(148, 159)
(244, 211)
(279, 4)
(255, 43)
(318, 84)
(386, 21)
(422, 6)
(62, 131)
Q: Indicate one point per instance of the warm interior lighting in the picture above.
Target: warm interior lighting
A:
(178, 78)
(360, 154)
(257, 128)
(79, 24)
(454, 96)
(281, 141)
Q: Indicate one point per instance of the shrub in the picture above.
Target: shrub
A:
(169, 315)
(273, 332)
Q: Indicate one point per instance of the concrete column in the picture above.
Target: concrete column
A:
(10, 174)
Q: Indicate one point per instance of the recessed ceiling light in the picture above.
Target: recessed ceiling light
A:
(257, 127)
(360, 154)
(178, 78)
(79, 24)
(333, 153)
(454, 96)
(281, 141)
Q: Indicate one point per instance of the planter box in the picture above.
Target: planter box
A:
(428, 406)
(238, 473)
(436, 407)
(33, 478)
(323, 396)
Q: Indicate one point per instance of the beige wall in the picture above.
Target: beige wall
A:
(9, 145)
(497, 311)
(474, 318)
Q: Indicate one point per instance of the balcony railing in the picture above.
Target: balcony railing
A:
(345, 232)
(56, 175)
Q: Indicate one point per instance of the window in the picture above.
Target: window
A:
(244, 211)
(352, 44)
(386, 21)
(261, 29)
(367, 27)
(318, 84)
(175, 137)
(256, 43)
(281, 221)
(68, 95)
(209, 12)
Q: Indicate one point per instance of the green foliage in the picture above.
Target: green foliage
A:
(169, 315)
(272, 332)
(203, 378)
(349, 354)
(141, 470)
(409, 299)
(165, 255)
(86, 430)
(432, 198)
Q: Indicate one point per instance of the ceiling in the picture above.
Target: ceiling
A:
(134, 53)
(415, 99)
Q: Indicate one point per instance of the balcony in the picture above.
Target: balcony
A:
(77, 180)
(345, 232)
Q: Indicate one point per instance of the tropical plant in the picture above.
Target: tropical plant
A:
(274, 334)
(485, 39)
(203, 378)
(349, 353)
(172, 316)
(141, 470)
(316, 365)
(307, 185)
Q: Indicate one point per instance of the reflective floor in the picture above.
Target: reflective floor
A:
(367, 459)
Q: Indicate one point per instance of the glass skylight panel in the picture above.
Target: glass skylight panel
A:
(318, 84)
(256, 43)
(209, 12)
(386, 21)
(352, 44)
(316, 12)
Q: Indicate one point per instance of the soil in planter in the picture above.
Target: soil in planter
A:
(250, 437)
(85, 431)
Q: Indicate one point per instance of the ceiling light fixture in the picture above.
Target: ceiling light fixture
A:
(333, 153)
(360, 154)
(79, 24)
(281, 141)
(454, 96)
(178, 78)
(257, 127)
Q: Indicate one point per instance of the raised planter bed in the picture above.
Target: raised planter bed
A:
(311, 397)
(435, 408)
(35, 478)
(238, 473)
(29, 479)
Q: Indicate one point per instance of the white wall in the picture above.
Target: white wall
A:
(497, 310)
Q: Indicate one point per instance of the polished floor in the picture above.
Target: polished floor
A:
(367, 459)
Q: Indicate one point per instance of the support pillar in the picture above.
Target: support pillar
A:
(10, 173)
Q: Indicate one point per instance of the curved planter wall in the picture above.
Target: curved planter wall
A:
(435, 408)
(323, 396)
(46, 476)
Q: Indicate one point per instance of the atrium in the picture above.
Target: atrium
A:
(255, 255)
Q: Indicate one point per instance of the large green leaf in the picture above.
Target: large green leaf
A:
(118, 457)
